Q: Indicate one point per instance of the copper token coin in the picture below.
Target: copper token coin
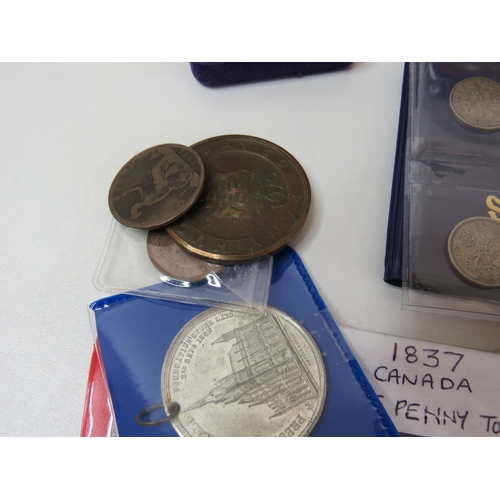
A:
(257, 196)
(172, 260)
(157, 186)
(476, 102)
(474, 250)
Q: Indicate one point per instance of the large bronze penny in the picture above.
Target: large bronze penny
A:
(172, 260)
(238, 373)
(256, 198)
(157, 186)
(474, 251)
(476, 102)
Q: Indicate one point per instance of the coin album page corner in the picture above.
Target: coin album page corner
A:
(451, 250)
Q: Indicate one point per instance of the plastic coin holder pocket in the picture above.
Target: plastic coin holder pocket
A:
(451, 251)
(125, 266)
(180, 369)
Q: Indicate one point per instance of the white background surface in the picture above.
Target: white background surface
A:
(65, 131)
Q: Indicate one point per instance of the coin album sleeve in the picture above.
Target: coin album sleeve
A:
(393, 260)
(452, 173)
(135, 332)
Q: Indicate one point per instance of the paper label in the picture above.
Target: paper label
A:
(431, 389)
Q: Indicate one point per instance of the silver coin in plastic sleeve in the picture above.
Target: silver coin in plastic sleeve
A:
(475, 102)
(241, 373)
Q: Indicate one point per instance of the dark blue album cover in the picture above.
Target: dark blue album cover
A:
(134, 334)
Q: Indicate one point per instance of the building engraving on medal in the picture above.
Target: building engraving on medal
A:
(251, 374)
(266, 370)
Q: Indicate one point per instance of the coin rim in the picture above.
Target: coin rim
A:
(167, 220)
(456, 113)
(165, 271)
(316, 353)
(452, 259)
(238, 258)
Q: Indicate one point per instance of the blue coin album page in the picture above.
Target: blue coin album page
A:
(182, 369)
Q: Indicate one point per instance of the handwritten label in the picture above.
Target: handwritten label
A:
(431, 389)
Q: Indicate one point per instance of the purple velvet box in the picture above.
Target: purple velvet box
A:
(217, 74)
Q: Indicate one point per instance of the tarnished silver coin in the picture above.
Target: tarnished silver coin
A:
(474, 250)
(173, 261)
(238, 373)
(476, 102)
(157, 186)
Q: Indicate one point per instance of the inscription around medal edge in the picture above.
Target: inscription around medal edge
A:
(197, 430)
(295, 426)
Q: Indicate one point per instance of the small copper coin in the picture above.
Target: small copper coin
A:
(256, 198)
(172, 260)
(476, 102)
(474, 251)
(157, 186)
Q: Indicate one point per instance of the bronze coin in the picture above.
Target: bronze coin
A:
(157, 186)
(476, 102)
(257, 196)
(474, 250)
(172, 260)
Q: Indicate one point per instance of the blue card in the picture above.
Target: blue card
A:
(135, 333)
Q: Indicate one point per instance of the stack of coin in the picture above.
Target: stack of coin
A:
(226, 200)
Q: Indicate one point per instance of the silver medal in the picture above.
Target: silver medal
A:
(239, 373)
